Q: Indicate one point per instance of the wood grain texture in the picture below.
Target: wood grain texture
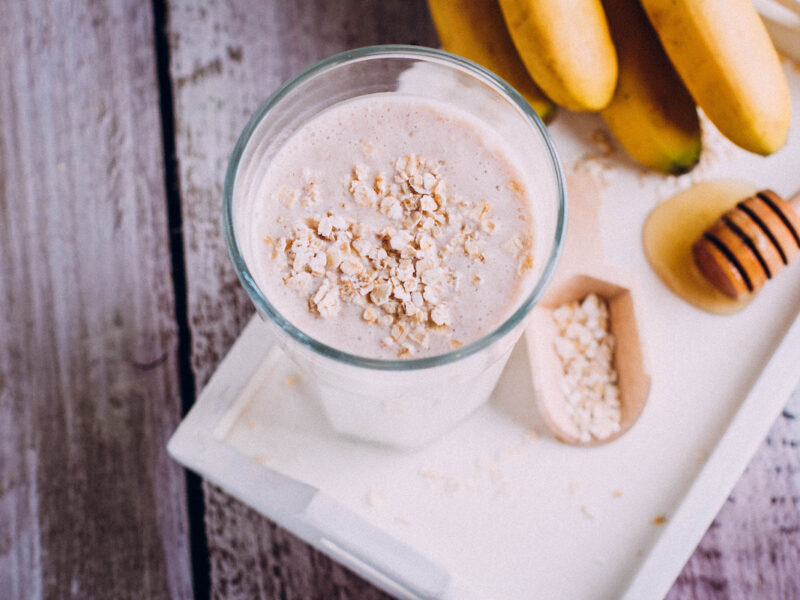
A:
(752, 549)
(90, 504)
(226, 59)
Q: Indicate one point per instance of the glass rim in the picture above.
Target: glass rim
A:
(392, 51)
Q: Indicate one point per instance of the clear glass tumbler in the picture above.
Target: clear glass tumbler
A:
(403, 403)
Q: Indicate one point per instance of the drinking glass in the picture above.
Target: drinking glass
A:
(403, 403)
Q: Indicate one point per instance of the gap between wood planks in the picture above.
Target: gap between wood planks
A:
(194, 493)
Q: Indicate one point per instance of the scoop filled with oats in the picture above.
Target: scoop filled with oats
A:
(395, 240)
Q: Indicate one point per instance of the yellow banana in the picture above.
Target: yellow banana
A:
(651, 114)
(566, 46)
(475, 30)
(723, 53)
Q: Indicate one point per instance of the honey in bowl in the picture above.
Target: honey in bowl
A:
(674, 226)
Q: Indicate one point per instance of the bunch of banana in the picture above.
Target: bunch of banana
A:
(475, 30)
(643, 64)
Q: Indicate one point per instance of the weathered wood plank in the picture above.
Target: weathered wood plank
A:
(90, 504)
(227, 59)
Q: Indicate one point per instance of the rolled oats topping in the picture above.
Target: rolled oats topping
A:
(401, 273)
(585, 347)
(392, 211)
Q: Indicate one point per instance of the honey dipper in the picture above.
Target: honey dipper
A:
(750, 243)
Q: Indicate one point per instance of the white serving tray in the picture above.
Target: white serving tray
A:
(498, 508)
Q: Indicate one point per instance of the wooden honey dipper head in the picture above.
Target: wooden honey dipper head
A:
(750, 243)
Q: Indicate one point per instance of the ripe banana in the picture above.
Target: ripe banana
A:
(723, 53)
(651, 114)
(566, 46)
(475, 30)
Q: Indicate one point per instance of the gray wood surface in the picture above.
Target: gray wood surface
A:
(226, 59)
(90, 504)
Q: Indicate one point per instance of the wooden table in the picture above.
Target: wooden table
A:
(117, 301)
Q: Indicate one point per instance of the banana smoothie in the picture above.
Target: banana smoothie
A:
(392, 226)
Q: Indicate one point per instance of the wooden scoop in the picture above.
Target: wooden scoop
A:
(750, 243)
(583, 270)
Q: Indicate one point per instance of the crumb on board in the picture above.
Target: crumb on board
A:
(659, 520)
(616, 494)
(501, 491)
(376, 498)
(291, 380)
(448, 482)
(601, 139)
(392, 407)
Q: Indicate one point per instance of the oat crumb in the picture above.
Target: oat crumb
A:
(659, 520)
(601, 139)
(376, 498)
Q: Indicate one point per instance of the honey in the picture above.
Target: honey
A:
(672, 228)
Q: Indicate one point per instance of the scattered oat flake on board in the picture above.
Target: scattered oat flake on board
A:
(501, 491)
(291, 380)
(659, 520)
(376, 498)
(617, 494)
(449, 483)
(601, 139)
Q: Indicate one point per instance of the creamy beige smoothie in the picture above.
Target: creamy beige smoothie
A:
(393, 226)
